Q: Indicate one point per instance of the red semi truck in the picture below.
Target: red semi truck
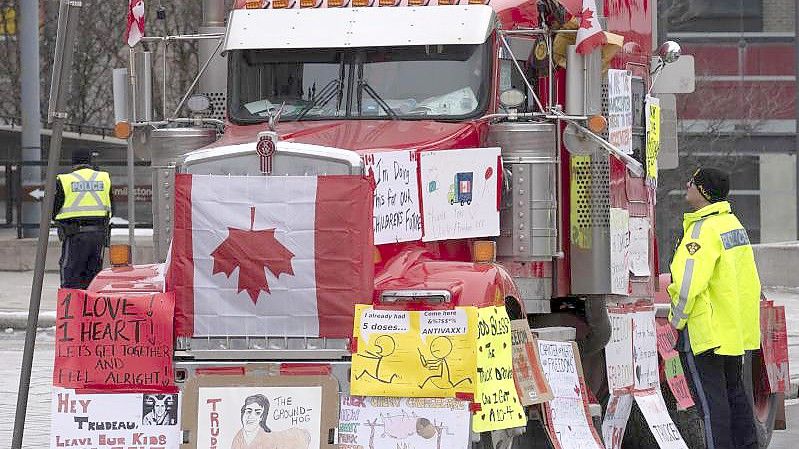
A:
(441, 76)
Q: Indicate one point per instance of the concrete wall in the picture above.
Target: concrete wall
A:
(778, 15)
(777, 264)
(20, 254)
(777, 198)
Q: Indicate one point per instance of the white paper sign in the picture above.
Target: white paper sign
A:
(619, 351)
(114, 420)
(242, 417)
(459, 193)
(568, 420)
(639, 246)
(413, 423)
(396, 206)
(615, 422)
(620, 110)
(645, 349)
(619, 251)
(657, 417)
(443, 322)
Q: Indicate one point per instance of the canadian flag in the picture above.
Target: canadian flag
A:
(270, 256)
(589, 34)
(135, 28)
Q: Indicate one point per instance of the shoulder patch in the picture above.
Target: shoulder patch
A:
(692, 247)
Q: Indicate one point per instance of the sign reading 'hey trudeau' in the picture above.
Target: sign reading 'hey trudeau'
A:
(114, 342)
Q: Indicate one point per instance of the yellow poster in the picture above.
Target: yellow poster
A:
(500, 407)
(652, 136)
(414, 353)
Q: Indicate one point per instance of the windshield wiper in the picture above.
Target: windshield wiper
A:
(364, 85)
(327, 93)
(334, 88)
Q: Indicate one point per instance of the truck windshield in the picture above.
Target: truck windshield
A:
(446, 82)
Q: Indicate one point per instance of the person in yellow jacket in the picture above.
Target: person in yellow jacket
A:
(715, 295)
(82, 210)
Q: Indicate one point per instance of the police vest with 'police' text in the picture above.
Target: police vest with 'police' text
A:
(87, 193)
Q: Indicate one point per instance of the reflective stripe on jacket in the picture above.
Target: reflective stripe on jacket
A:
(87, 193)
(715, 288)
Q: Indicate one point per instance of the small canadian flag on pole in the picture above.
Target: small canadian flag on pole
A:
(135, 28)
(589, 34)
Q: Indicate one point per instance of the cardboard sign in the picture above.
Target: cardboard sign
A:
(391, 423)
(619, 251)
(568, 422)
(645, 352)
(114, 342)
(615, 423)
(619, 350)
(620, 110)
(148, 421)
(396, 199)
(657, 417)
(531, 385)
(459, 193)
(639, 246)
(257, 410)
(414, 354)
(500, 407)
(678, 384)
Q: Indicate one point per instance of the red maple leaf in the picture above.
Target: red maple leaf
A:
(251, 251)
(585, 18)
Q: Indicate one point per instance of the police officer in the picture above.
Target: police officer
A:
(82, 211)
(715, 294)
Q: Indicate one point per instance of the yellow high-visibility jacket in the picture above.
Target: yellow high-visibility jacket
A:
(87, 193)
(715, 288)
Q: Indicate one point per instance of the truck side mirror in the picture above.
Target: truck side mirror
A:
(669, 52)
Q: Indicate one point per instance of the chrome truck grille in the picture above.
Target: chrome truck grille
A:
(289, 159)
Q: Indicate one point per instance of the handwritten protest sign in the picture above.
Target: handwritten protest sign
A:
(619, 350)
(645, 350)
(774, 344)
(615, 422)
(639, 246)
(667, 340)
(500, 407)
(396, 199)
(568, 421)
(391, 423)
(239, 417)
(459, 193)
(414, 354)
(147, 421)
(652, 138)
(678, 384)
(619, 251)
(531, 385)
(657, 417)
(620, 110)
(114, 342)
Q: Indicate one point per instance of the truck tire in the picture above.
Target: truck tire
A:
(690, 424)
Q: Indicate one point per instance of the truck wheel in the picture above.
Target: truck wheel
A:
(764, 403)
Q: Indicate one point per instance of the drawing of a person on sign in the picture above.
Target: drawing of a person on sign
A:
(255, 434)
(440, 348)
(385, 346)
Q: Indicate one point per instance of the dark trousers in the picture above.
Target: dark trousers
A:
(81, 258)
(722, 400)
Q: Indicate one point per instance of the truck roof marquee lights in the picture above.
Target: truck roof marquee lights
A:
(389, 3)
(253, 4)
(448, 2)
(283, 4)
(362, 3)
(310, 3)
(338, 3)
(479, 2)
(418, 2)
